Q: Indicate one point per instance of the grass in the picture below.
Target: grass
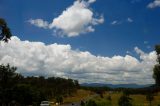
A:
(137, 100)
(80, 95)
(105, 102)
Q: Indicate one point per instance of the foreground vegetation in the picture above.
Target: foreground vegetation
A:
(111, 98)
(137, 99)
(16, 89)
(78, 96)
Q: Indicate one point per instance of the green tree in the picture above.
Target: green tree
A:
(26, 94)
(156, 69)
(31, 90)
(150, 98)
(91, 103)
(5, 33)
(82, 103)
(59, 99)
(125, 100)
(8, 79)
(157, 48)
(109, 98)
(23, 94)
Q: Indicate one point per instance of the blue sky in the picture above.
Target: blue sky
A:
(121, 25)
(106, 40)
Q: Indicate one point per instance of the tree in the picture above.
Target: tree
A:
(8, 79)
(59, 99)
(82, 103)
(156, 69)
(8, 76)
(109, 98)
(150, 98)
(91, 103)
(5, 33)
(16, 89)
(157, 48)
(125, 100)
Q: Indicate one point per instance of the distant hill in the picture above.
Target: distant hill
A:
(115, 86)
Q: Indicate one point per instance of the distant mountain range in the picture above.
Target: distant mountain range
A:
(115, 86)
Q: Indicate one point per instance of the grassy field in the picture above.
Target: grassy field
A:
(138, 100)
(80, 95)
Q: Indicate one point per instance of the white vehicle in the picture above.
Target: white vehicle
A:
(45, 103)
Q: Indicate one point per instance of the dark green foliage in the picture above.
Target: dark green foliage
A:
(82, 103)
(59, 99)
(23, 94)
(156, 74)
(15, 89)
(156, 69)
(8, 80)
(150, 97)
(157, 48)
(7, 76)
(5, 33)
(91, 103)
(109, 98)
(125, 100)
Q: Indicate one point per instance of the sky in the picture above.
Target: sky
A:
(100, 41)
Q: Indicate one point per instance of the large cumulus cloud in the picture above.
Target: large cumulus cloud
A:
(77, 19)
(36, 58)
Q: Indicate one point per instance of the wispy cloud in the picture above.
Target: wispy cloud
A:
(135, 1)
(118, 22)
(145, 42)
(39, 23)
(154, 4)
(77, 19)
(91, 1)
(129, 20)
(128, 52)
(36, 58)
(148, 47)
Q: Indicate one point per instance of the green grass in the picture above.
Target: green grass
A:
(81, 94)
(137, 100)
(78, 96)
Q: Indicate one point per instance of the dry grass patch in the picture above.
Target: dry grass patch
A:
(81, 94)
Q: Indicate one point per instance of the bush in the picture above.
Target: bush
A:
(59, 99)
(125, 100)
(91, 103)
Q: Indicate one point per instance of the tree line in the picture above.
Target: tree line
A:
(18, 90)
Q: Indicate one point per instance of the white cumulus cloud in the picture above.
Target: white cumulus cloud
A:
(36, 58)
(77, 19)
(154, 4)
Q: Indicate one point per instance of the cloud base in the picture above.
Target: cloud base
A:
(36, 58)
